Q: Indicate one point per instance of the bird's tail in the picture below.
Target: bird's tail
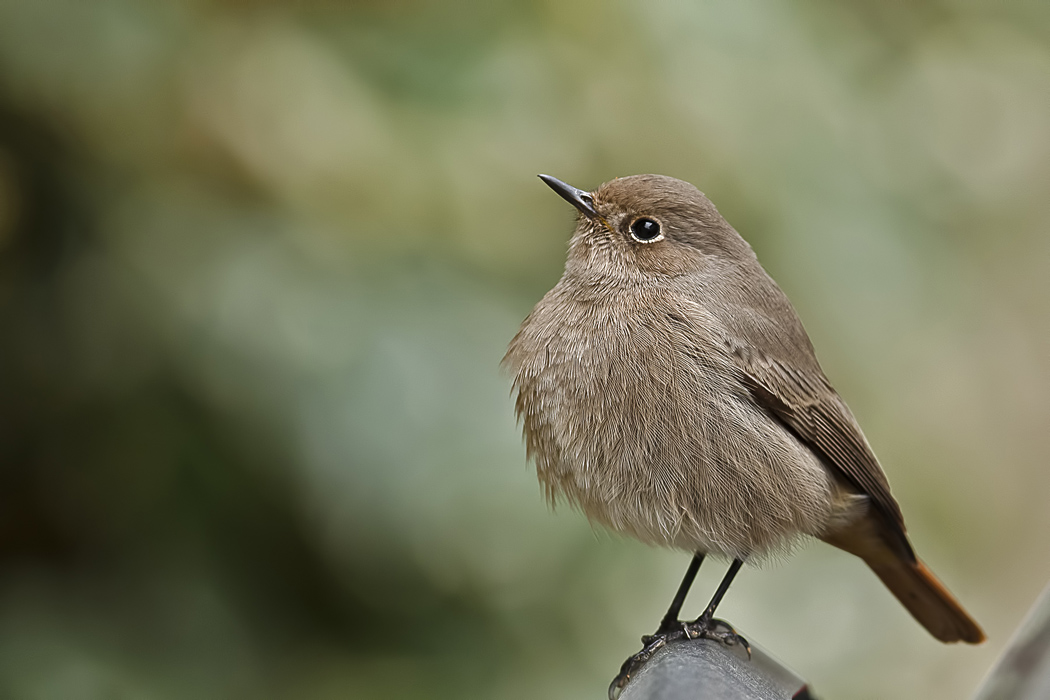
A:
(928, 600)
(910, 581)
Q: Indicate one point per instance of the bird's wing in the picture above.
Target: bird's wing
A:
(805, 402)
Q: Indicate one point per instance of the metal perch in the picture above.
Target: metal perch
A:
(702, 669)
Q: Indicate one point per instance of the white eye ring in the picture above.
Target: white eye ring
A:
(645, 229)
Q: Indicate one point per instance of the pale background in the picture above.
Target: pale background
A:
(259, 262)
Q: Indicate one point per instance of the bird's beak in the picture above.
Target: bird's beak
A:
(577, 198)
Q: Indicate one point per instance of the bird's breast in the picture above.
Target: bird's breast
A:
(633, 410)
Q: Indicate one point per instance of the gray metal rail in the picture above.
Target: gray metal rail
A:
(701, 669)
(1023, 671)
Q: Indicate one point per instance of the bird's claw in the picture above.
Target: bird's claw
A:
(718, 631)
(650, 643)
(711, 628)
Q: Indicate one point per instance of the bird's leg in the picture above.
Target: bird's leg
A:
(707, 626)
(670, 629)
(708, 614)
(670, 621)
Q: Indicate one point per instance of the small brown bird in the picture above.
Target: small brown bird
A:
(668, 389)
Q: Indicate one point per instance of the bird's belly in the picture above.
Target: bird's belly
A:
(735, 484)
(655, 437)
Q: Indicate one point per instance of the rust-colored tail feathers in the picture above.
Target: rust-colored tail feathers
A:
(928, 600)
(910, 581)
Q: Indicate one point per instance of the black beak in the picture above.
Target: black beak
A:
(577, 198)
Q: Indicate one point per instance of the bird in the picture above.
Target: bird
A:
(668, 390)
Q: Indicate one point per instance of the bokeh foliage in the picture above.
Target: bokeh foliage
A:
(259, 261)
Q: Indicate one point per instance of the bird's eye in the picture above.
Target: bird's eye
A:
(645, 230)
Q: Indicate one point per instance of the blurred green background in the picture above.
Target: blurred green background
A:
(259, 261)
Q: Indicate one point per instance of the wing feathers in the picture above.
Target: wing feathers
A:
(811, 409)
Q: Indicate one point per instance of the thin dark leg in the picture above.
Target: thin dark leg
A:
(708, 627)
(670, 629)
(670, 620)
(709, 612)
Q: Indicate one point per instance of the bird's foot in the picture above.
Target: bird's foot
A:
(716, 630)
(650, 643)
